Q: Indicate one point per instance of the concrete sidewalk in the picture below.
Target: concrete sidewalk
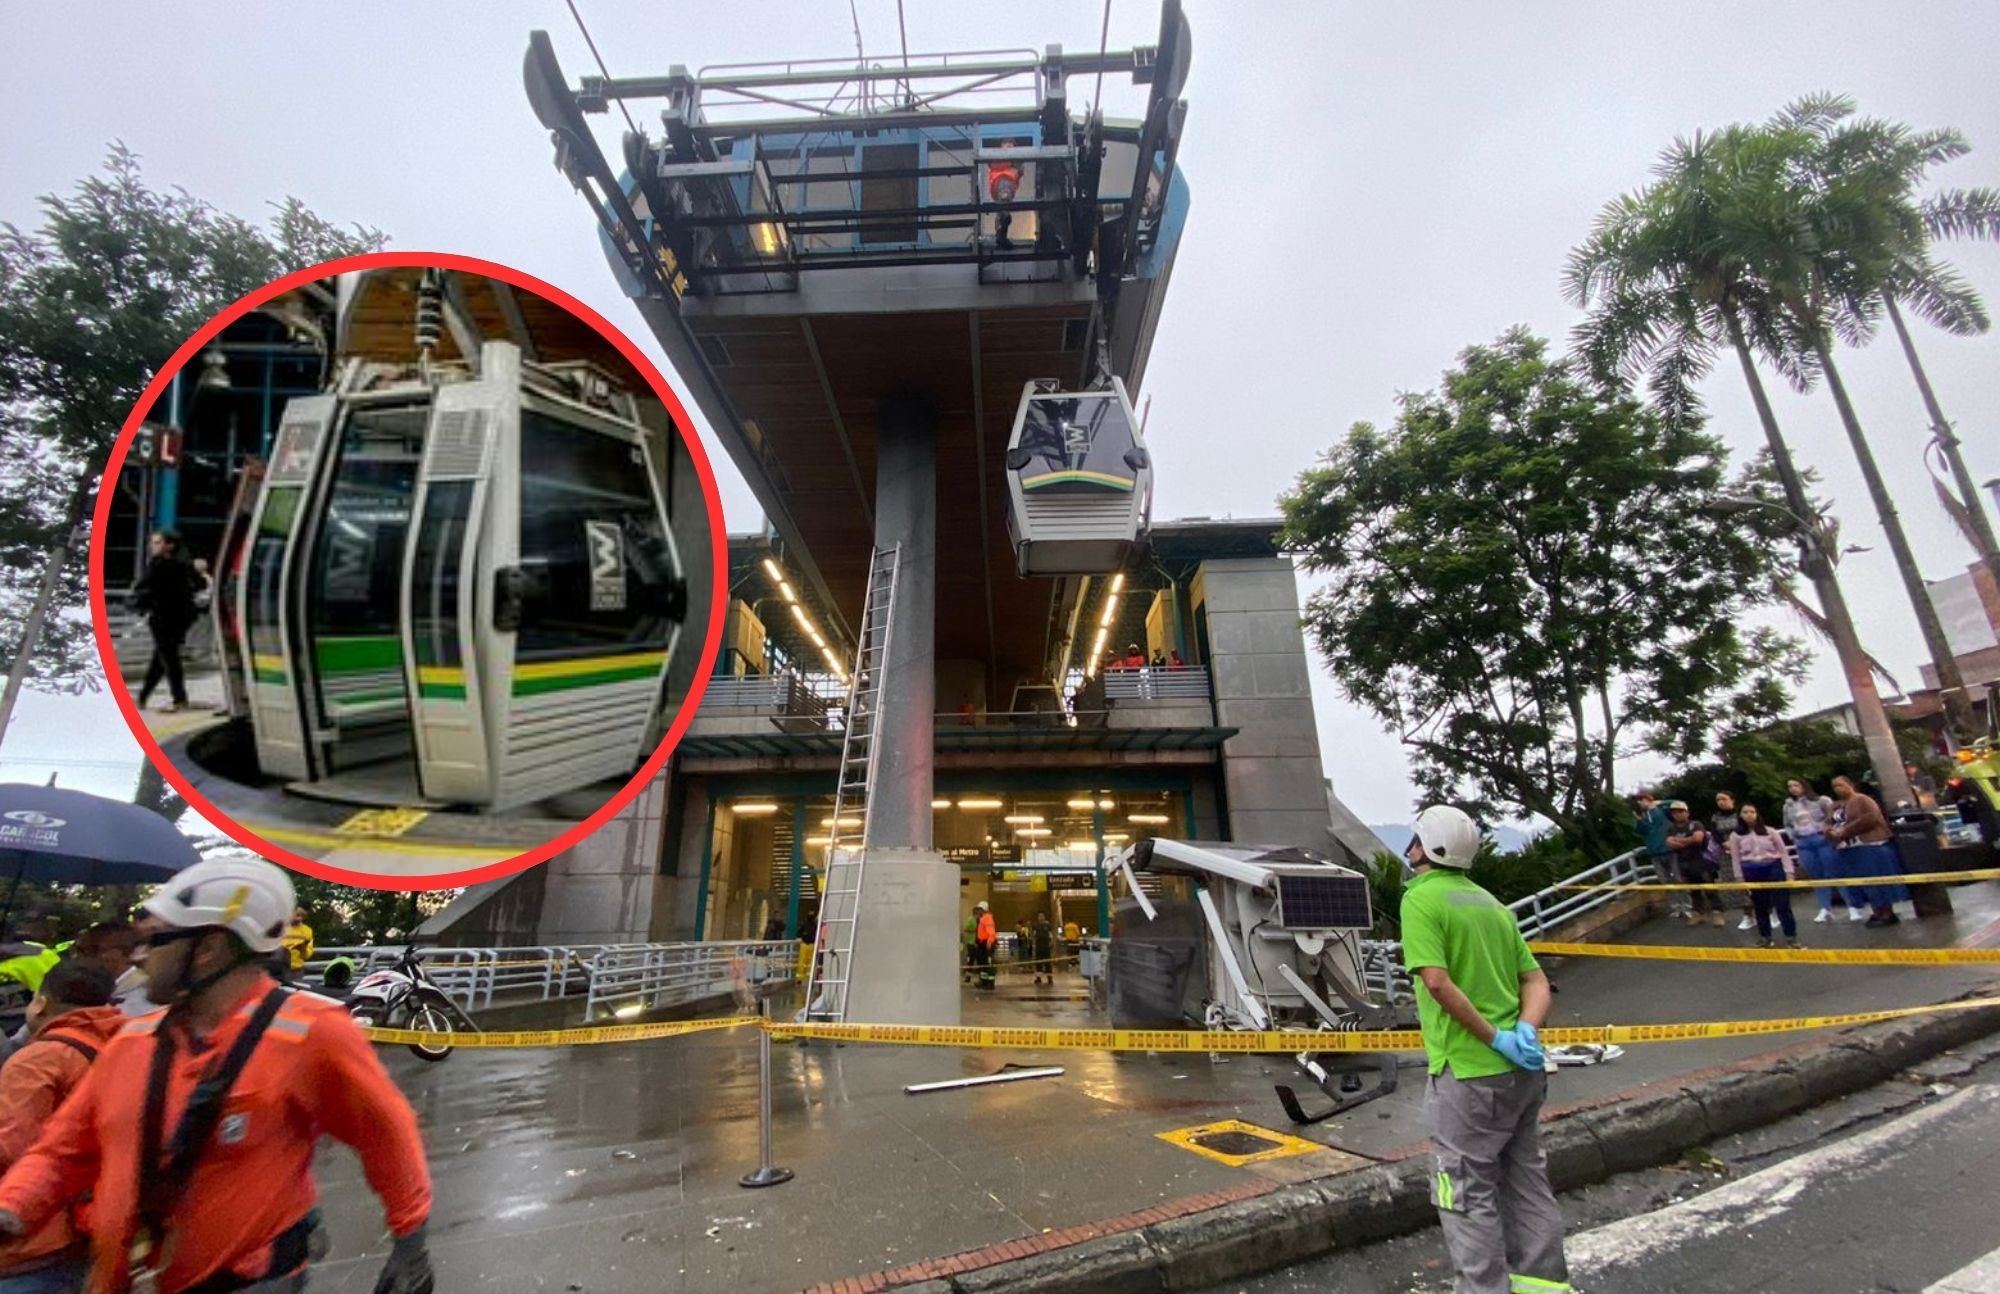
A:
(615, 1168)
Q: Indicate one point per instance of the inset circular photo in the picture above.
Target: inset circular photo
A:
(408, 571)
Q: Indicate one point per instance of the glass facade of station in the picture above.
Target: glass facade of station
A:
(1026, 849)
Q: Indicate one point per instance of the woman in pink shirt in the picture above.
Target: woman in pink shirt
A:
(1759, 854)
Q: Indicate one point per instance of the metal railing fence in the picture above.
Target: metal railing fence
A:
(610, 977)
(1537, 913)
(636, 978)
(1157, 683)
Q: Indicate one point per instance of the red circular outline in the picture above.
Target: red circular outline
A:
(718, 544)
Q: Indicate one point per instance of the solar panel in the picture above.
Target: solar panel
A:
(1333, 901)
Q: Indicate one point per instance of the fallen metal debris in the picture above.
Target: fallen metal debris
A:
(1007, 1074)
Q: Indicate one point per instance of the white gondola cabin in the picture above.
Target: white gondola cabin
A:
(1079, 481)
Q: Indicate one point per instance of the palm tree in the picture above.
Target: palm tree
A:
(1883, 164)
(1685, 264)
(1862, 241)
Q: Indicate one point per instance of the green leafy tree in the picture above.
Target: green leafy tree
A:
(92, 303)
(1754, 765)
(346, 915)
(1697, 259)
(1524, 586)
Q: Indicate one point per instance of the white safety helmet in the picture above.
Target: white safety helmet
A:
(1449, 836)
(980, 906)
(238, 892)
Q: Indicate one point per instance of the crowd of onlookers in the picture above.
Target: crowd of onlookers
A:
(1842, 838)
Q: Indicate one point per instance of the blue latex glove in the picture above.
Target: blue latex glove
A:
(1532, 1039)
(1525, 1052)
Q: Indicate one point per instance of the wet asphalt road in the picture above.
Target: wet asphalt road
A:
(604, 1170)
(1891, 1191)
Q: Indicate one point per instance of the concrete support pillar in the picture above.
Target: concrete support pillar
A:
(899, 804)
(905, 966)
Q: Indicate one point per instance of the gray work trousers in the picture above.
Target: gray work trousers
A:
(1665, 868)
(1491, 1187)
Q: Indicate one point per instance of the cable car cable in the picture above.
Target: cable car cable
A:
(600, 62)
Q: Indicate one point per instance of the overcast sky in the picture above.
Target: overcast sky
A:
(1375, 187)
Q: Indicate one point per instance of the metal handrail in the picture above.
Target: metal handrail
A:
(635, 978)
(1537, 914)
(786, 693)
(1156, 683)
(476, 977)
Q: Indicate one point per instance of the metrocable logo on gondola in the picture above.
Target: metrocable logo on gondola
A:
(607, 565)
(30, 827)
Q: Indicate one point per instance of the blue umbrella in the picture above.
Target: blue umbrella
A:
(60, 837)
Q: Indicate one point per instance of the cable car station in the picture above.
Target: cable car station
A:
(962, 661)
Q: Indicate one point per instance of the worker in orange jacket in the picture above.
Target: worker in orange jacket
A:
(194, 1131)
(985, 943)
(69, 1022)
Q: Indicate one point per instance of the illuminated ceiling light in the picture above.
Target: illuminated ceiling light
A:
(1152, 819)
(940, 804)
(755, 807)
(818, 840)
(818, 641)
(1118, 582)
(833, 663)
(980, 803)
(628, 1011)
(1115, 837)
(799, 614)
(786, 589)
(771, 569)
(1110, 611)
(1029, 819)
(1107, 804)
(1081, 804)
(1033, 832)
(855, 822)
(1082, 846)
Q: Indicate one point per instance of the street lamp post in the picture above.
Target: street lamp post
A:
(1816, 559)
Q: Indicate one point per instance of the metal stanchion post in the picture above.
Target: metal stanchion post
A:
(767, 1174)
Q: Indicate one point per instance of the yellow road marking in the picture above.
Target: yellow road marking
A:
(382, 822)
(388, 844)
(1284, 1145)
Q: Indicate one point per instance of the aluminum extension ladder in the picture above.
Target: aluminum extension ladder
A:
(847, 839)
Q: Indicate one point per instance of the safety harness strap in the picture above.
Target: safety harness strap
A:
(163, 1178)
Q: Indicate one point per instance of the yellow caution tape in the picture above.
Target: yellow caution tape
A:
(1175, 1040)
(1829, 883)
(1150, 1040)
(1809, 956)
(560, 1037)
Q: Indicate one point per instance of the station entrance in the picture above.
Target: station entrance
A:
(1026, 850)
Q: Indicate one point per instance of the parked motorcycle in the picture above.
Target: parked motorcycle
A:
(403, 996)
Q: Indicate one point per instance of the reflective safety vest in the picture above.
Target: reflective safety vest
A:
(29, 964)
(988, 935)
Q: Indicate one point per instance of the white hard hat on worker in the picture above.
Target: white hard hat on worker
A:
(1444, 836)
(235, 893)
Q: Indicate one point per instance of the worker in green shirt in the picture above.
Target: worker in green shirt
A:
(1481, 999)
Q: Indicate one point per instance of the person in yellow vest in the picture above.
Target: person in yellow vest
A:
(29, 954)
(298, 942)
